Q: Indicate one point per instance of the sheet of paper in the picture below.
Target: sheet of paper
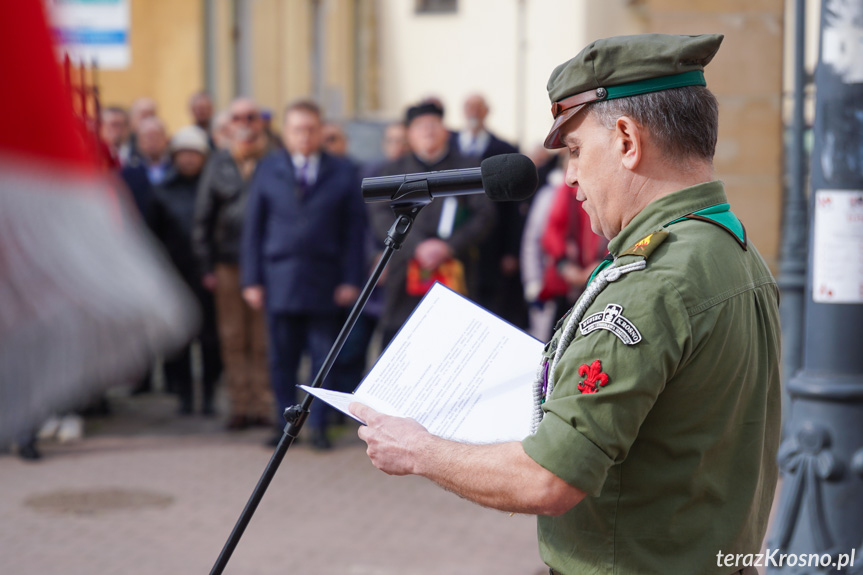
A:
(837, 247)
(342, 401)
(459, 370)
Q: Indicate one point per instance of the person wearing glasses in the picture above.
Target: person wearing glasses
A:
(219, 211)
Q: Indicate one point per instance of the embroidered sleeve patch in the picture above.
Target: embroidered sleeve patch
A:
(611, 319)
(593, 377)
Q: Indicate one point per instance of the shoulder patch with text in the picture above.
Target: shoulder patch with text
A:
(611, 319)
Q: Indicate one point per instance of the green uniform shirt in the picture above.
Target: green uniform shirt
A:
(676, 448)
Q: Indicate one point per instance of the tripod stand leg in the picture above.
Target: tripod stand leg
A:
(296, 416)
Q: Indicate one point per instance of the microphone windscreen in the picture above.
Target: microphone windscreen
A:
(509, 177)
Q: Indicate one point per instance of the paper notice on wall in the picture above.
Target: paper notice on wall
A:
(459, 370)
(837, 259)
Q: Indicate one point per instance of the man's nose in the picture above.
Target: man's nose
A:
(571, 177)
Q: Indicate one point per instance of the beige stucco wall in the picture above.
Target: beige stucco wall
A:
(281, 48)
(746, 76)
(476, 50)
(282, 36)
(339, 58)
(167, 44)
(812, 25)
(168, 60)
(222, 52)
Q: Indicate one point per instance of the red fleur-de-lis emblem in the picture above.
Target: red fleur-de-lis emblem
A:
(593, 377)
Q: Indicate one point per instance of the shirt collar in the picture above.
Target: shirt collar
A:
(473, 145)
(311, 168)
(667, 209)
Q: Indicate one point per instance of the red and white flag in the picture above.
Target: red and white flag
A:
(86, 299)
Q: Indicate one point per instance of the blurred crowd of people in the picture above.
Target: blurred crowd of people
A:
(269, 231)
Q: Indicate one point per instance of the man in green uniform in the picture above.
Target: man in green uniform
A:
(658, 396)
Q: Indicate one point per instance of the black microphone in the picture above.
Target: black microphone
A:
(503, 178)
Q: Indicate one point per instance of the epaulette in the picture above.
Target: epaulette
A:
(645, 246)
(719, 215)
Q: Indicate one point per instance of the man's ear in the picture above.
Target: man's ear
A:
(629, 141)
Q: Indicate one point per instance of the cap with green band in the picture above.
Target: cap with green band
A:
(625, 66)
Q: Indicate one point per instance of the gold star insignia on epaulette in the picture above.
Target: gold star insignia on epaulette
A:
(645, 246)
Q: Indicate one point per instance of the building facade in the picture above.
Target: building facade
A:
(366, 60)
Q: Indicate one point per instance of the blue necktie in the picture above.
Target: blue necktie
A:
(303, 179)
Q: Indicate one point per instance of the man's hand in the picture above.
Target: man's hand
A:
(393, 442)
(499, 475)
(254, 296)
(432, 252)
(209, 282)
(345, 295)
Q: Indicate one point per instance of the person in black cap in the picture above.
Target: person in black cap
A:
(445, 234)
(657, 401)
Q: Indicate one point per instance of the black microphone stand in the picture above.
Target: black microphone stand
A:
(406, 204)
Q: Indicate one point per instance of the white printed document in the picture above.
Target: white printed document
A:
(456, 368)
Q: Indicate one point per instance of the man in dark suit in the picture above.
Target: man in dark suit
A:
(302, 251)
(475, 140)
(499, 288)
(444, 230)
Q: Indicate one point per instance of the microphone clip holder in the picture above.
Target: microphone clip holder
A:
(412, 193)
(406, 203)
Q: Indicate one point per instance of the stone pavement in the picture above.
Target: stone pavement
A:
(149, 492)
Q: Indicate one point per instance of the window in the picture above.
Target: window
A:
(436, 6)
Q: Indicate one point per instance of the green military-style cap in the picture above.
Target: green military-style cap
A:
(626, 66)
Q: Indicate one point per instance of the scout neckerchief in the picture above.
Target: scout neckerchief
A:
(608, 271)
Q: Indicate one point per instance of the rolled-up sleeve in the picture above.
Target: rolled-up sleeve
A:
(585, 465)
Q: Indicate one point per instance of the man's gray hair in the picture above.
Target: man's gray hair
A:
(682, 121)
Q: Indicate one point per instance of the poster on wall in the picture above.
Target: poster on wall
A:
(92, 31)
(837, 259)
